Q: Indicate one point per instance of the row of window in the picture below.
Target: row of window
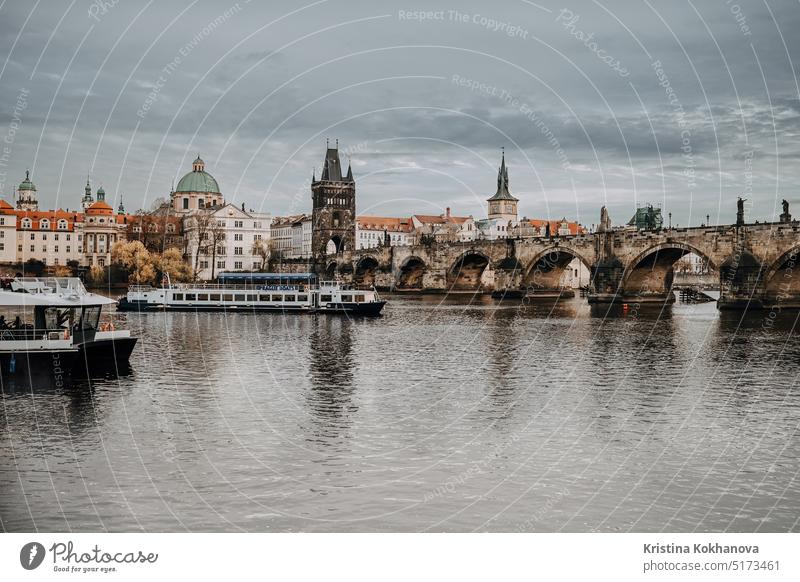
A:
(44, 248)
(251, 297)
(237, 265)
(264, 298)
(44, 224)
(365, 234)
(44, 236)
(152, 227)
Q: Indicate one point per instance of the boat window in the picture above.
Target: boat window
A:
(289, 298)
(227, 297)
(214, 297)
(346, 298)
(177, 296)
(358, 298)
(277, 298)
(90, 317)
(263, 297)
(202, 296)
(191, 297)
(240, 297)
(252, 297)
(302, 297)
(51, 318)
(325, 298)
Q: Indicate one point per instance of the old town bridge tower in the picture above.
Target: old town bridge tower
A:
(333, 212)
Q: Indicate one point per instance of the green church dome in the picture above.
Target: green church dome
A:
(198, 180)
(26, 184)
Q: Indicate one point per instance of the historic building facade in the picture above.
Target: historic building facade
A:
(59, 237)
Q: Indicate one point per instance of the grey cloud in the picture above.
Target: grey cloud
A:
(408, 152)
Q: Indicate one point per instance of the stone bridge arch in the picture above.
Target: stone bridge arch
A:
(740, 279)
(330, 270)
(366, 270)
(410, 273)
(336, 269)
(547, 268)
(466, 272)
(650, 273)
(781, 280)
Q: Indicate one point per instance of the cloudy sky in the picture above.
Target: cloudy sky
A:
(685, 104)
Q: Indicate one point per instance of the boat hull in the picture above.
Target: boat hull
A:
(371, 309)
(104, 353)
(52, 364)
(366, 309)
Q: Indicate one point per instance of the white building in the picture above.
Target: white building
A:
(225, 238)
(301, 237)
(374, 231)
(282, 236)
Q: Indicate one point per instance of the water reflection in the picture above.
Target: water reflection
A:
(331, 366)
(66, 403)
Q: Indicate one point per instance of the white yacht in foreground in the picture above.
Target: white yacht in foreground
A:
(285, 292)
(52, 326)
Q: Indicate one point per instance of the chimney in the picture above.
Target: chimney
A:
(448, 212)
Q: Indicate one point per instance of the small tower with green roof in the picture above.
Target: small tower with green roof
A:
(26, 194)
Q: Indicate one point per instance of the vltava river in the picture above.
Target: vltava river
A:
(455, 414)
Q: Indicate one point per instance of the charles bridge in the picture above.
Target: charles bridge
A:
(755, 264)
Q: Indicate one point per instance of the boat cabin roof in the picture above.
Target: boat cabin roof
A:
(50, 292)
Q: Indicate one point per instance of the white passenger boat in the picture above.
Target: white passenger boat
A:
(52, 326)
(283, 292)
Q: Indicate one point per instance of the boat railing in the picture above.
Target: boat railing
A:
(31, 334)
(234, 287)
(60, 285)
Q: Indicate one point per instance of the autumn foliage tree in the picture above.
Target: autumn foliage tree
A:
(172, 262)
(137, 260)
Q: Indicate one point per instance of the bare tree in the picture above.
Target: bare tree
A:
(216, 235)
(198, 226)
(261, 249)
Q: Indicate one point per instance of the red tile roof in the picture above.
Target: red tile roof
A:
(384, 223)
(574, 227)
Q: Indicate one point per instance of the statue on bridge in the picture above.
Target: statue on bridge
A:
(786, 217)
(605, 221)
(740, 211)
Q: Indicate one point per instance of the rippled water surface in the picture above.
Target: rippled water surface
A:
(454, 414)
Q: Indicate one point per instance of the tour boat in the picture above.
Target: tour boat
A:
(57, 328)
(282, 292)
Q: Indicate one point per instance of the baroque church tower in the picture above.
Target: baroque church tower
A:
(333, 213)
